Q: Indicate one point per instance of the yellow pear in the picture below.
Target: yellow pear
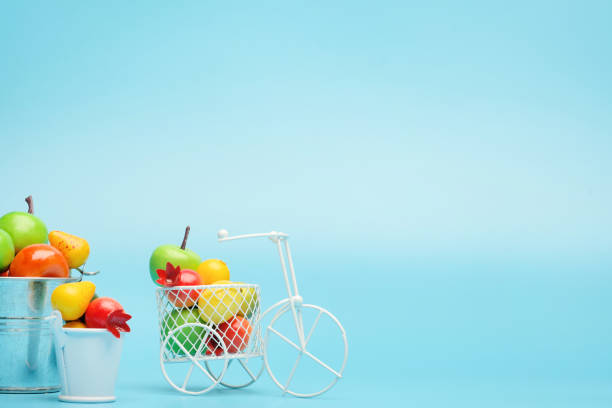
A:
(72, 299)
(75, 249)
(218, 305)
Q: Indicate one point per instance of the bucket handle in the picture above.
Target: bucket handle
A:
(60, 344)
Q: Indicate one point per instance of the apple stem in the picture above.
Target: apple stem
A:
(184, 244)
(30, 204)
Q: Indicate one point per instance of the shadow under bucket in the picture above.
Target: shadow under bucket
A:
(87, 361)
(27, 359)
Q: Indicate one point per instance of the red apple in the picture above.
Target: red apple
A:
(235, 334)
(175, 276)
(107, 313)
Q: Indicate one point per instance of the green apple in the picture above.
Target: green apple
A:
(7, 250)
(24, 228)
(185, 258)
(188, 337)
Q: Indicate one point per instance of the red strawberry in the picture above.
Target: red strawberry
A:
(107, 313)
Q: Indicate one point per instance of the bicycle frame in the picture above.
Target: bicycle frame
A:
(293, 296)
(292, 305)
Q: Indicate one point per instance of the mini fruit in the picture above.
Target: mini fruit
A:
(72, 299)
(249, 302)
(7, 250)
(75, 249)
(76, 324)
(234, 333)
(218, 305)
(213, 270)
(175, 276)
(247, 298)
(24, 228)
(107, 313)
(39, 260)
(178, 256)
(188, 337)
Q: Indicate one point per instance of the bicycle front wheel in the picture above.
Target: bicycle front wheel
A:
(310, 368)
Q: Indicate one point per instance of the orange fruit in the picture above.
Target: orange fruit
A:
(39, 260)
(213, 270)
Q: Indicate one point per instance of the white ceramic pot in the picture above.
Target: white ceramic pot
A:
(87, 361)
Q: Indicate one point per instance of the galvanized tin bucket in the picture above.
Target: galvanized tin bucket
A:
(27, 357)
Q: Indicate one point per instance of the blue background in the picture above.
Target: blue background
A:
(443, 168)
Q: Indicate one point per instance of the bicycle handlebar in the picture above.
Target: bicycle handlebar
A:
(223, 235)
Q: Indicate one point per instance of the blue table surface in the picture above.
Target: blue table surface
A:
(465, 342)
(154, 392)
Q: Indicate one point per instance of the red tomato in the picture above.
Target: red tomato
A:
(107, 313)
(175, 276)
(235, 334)
(39, 260)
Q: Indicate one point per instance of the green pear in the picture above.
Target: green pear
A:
(24, 228)
(177, 256)
(7, 250)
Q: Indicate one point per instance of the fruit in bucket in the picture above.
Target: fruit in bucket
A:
(24, 228)
(39, 260)
(235, 334)
(179, 256)
(107, 313)
(72, 299)
(188, 337)
(76, 324)
(7, 250)
(175, 276)
(213, 270)
(218, 305)
(75, 249)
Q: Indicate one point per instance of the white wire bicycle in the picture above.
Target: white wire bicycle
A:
(185, 340)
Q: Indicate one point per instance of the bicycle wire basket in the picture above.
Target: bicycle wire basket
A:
(209, 322)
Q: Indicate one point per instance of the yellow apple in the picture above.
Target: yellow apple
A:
(249, 301)
(217, 305)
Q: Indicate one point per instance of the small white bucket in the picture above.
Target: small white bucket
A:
(87, 361)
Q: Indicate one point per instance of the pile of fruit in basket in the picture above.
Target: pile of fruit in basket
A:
(224, 305)
(81, 308)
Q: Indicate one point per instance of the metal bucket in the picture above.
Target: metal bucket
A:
(27, 357)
